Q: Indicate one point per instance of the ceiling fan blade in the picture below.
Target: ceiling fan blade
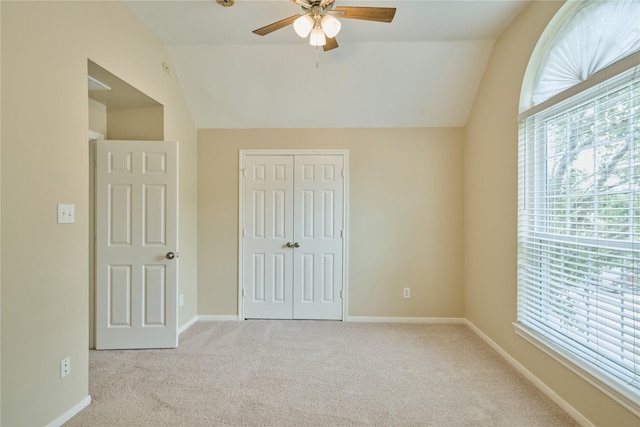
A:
(331, 43)
(275, 26)
(380, 14)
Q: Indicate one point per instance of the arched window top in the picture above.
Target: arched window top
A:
(584, 38)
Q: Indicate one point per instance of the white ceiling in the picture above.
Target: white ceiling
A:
(421, 70)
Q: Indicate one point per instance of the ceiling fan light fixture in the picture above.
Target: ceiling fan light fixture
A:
(318, 20)
(331, 26)
(303, 25)
(317, 37)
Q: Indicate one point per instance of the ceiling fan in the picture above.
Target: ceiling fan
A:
(319, 20)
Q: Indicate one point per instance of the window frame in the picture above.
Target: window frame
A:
(625, 394)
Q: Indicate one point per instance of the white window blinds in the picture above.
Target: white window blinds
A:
(579, 230)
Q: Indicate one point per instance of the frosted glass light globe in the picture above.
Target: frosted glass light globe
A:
(303, 25)
(317, 37)
(331, 26)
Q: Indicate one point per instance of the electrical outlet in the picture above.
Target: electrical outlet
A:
(406, 293)
(65, 367)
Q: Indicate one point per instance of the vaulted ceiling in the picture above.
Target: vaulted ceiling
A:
(421, 70)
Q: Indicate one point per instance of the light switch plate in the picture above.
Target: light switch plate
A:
(66, 214)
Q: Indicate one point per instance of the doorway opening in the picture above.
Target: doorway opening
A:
(117, 110)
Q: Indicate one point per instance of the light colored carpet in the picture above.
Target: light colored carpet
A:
(315, 373)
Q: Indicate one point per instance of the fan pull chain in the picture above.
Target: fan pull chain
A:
(317, 57)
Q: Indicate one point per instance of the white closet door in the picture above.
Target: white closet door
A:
(292, 236)
(268, 226)
(318, 225)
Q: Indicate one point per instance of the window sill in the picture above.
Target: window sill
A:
(622, 393)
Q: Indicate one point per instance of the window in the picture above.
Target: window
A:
(579, 206)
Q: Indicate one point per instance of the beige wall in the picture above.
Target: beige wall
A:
(45, 155)
(405, 216)
(145, 124)
(490, 156)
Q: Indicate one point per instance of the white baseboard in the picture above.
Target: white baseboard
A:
(370, 319)
(217, 318)
(70, 413)
(187, 325)
(205, 318)
(532, 378)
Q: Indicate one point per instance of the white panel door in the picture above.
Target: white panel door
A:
(318, 233)
(136, 244)
(292, 235)
(268, 227)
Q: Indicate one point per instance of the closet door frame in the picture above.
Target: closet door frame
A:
(345, 235)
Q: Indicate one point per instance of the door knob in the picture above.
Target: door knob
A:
(296, 245)
(289, 244)
(170, 255)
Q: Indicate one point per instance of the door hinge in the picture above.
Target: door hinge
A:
(342, 234)
(244, 232)
(342, 173)
(341, 294)
(244, 172)
(243, 292)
